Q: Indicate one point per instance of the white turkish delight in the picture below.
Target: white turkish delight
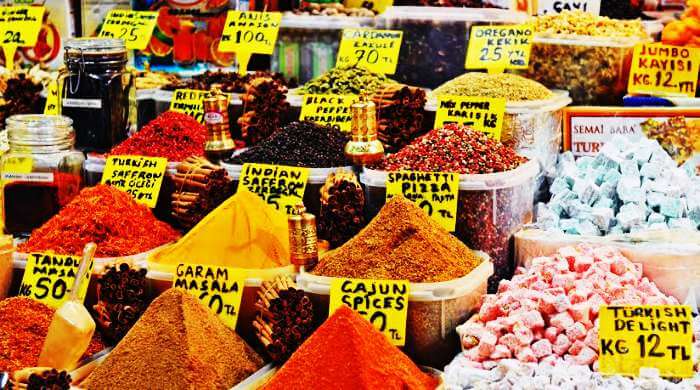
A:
(607, 161)
(658, 226)
(682, 223)
(651, 170)
(567, 156)
(587, 191)
(616, 229)
(643, 154)
(574, 208)
(629, 190)
(612, 177)
(671, 207)
(602, 218)
(608, 190)
(654, 199)
(656, 218)
(558, 185)
(660, 156)
(585, 228)
(604, 203)
(629, 168)
(631, 218)
(584, 162)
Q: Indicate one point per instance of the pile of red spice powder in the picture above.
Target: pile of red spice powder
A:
(106, 216)
(453, 148)
(24, 324)
(346, 352)
(172, 135)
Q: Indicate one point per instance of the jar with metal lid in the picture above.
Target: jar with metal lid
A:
(40, 173)
(97, 92)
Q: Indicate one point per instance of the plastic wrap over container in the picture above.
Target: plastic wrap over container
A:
(435, 39)
(671, 259)
(490, 209)
(434, 310)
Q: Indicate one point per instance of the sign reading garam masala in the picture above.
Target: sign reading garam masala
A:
(220, 288)
(384, 303)
(481, 113)
(545, 7)
(278, 185)
(333, 110)
(497, 48)
(659, 336)
(19, 27)
(664, 70)
(139, 176)
(189, 101)
(434, 192)
(48, 278)
(249, 32)
(375, 50)
(133, 27)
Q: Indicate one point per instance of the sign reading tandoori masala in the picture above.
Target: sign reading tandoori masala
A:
(49, 278)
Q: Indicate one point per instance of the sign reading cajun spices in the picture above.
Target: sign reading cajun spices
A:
(481, 113)
(133, 27)
(51, 106)
(48, 278)
(376, 50)
(497, 48)
(249, 32)
(333, 110)
(384, 303)
(434, 192)
(280, 186)
(19, 27)
(220, 288)
(139, 176)
(659, 336)
(664, 70)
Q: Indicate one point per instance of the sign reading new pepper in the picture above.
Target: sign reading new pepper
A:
(664, 70)
(499, 47)
(376, 50)
(632, 337)
(278, 185)
(19, 27)
(138, 175)
(481, 113)
(133, 27)
(384, 303)
(434, 192)
(333, 110)
(248, 32)
(48, 278)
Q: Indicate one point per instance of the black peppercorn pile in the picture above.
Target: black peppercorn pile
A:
(301, 144)
(49, 380)
(22, 96)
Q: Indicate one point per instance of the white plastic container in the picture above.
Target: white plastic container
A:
(490, 209)
(434, 310)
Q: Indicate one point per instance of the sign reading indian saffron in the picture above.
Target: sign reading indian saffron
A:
(280, 186)
(384, 303)
(480, 113)
(139, 176)
(497, 48)
(434, 192)
(333, 110)
(48, 278)
(133, 27)
(664, 70)
(375, 50)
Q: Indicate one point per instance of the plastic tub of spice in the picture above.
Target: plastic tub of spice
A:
(434, 310)
(6, 254)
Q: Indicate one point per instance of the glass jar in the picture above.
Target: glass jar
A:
(97, 92)
(40, 173)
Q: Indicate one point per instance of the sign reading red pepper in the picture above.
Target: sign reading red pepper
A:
(249, 32)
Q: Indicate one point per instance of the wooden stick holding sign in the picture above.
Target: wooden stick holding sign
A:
(249, 32)
(19, 27)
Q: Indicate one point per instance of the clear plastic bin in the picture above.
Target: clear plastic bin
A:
(490, 209)
(6, 253)
(434, 310)
(435, 39)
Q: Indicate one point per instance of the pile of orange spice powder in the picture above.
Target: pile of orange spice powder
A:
(346, 352)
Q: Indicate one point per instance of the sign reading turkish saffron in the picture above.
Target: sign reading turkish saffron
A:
(658, 336)
(280, 186)
(664, 70)
(375, 50)
(384, 303)
(48, 278)
(219, 288)
(434, 192)
(249, 32)
(139, 176)
(497, 48)
(333, 110)
(19, 27)
(133, 27)
(481, 113)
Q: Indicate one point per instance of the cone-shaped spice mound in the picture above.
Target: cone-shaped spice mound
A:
(346, 352)
(177, 344)
(401, 242)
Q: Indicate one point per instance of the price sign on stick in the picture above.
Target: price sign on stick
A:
(134, 27)
(48, 278)
(333, 110)
(664, 70)
(548, 7)
(189, 101)
(376, 50)
(249, 32)
(497, 48)
(138, 175)
(51, 106)
(377, 6)
(280, 186)
(481, 113)
(19, 27)
(434, 192)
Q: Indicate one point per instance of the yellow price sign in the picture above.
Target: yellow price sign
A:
(497, 48)
(219, 288)
(189, 101)
(49, 278)
(375, 50)
(659, 336)
(249, 32)
(51, 106)
(280, 186)
(139, 176)
(434, 192)
(664, 70)
(481, 113)
(134, 27)
(333, 110)
(377, 6)
(384, 303)
(19, 27)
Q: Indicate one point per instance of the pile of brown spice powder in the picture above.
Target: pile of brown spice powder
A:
(177, 344)
(401, 243)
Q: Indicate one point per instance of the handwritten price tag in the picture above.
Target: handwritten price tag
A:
(434, 192)
(497, 48)
(280, 186)
(481, 113)
(249, 32)
(632, 337)
(384, 303)
(134, 27)
(137, 175)
(333, 110)
(375, 50)
(48, 278)
(51, 106)
(19, 27)
(664, 70)
(545, 7)
(220, 288)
